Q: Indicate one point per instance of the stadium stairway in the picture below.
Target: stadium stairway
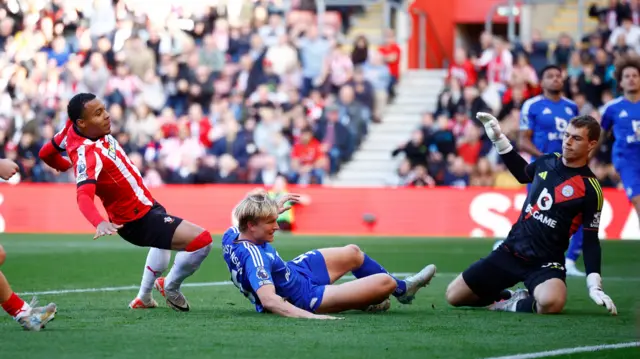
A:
(368, 24)
(372, 163)
(565, 19)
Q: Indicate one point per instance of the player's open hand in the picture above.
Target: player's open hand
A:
(286, 201)
(601, 298)
(491, 125)
(8, 168)
(106, 229)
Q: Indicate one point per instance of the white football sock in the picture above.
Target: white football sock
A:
(157, 263)
(185, 264)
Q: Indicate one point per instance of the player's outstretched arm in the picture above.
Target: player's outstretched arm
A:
(517, 165)
(591, 245)
(85, 197)
(277, 305)
(50, 155)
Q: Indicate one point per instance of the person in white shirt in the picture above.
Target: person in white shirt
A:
(630, 32)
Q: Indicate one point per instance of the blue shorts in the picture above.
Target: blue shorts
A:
(312, 266)
(630, 177)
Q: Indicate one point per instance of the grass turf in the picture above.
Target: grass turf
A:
(222, 323)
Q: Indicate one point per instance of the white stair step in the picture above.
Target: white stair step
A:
(424, 101)
(415, 109)
(360, 176)
(373, 166)
(381, 146)
(392, 138)
(374, 155)
(390, 127)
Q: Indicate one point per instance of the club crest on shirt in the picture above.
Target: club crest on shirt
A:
(567, 191)
(568, 110)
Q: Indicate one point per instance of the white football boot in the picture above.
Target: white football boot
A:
(416, 282)
(509, 305)
(175, 299)
(37, 317)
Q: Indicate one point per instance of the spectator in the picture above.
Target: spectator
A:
(307, 160)
(392, 55)
(360, 52)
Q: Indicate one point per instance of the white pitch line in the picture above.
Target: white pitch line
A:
(223, 283)
(565, 351)
(136, 287)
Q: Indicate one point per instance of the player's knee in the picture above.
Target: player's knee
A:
(387, 283)
(551, 305)
(3, 255)
(203, 240)
(355, 254)
(550, 301)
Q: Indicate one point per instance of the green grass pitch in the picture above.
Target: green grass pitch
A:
(223, 324)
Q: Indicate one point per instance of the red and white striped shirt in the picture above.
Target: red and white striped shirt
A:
(118, 182)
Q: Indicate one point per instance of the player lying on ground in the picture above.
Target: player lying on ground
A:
(622, 115)
(564, 195)
(102, 168)
(28, 315)
(305, 285)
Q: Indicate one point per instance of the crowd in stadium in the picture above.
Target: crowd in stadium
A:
(197, 94)
(498, 77)
(201, 94)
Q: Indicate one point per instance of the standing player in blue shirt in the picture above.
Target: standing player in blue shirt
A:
(543, 120)
(303, 287)
(622, 115)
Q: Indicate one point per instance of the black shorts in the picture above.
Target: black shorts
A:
(502, 269)
(155, 229)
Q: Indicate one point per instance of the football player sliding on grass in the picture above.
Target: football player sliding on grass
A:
(304, 287)
(564, 195)
(28, 315)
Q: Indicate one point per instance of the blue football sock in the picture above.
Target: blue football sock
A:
(371, 267)
(575, 246)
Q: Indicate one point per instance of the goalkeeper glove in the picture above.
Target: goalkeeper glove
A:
(594, 283)
(492, 128)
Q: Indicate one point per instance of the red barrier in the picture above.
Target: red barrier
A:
(476, 212)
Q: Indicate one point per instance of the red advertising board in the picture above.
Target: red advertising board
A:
(443, 212)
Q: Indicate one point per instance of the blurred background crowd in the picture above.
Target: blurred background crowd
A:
(243, 91)
(198, 92)
(497, 76)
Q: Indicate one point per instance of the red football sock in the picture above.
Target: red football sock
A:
(202, 240)
(13, 305)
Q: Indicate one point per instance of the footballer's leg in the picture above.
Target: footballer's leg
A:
(193, 243)
(573, 253)
(351, 258)
(157, 262)
(358, 294)
(485, 281)
(549, 292)
(28, 315)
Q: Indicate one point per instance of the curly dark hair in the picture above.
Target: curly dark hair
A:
(626, 62)
(75, 108)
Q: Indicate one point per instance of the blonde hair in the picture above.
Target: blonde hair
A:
(256, 206)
